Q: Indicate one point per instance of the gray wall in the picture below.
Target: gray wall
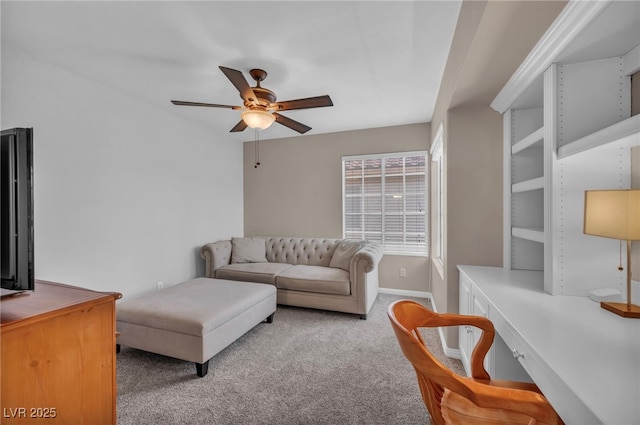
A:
(125, 192)
(297, 190)
(474, 194)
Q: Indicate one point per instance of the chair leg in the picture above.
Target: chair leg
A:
(202, 368)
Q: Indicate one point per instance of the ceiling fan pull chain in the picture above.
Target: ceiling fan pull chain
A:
(256, 146)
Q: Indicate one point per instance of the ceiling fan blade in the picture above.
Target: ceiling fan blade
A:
(309, 102)
(292, 124)
(240, 83)
(210, 105)
(239, 127)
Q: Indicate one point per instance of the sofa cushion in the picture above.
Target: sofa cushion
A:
(252, 272)
(344, 252)
(248, 250)
(325, 280)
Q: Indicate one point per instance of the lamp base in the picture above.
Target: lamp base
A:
(622, 309)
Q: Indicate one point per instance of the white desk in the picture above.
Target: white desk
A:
(585, 359)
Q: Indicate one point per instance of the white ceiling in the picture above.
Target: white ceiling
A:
(380, 61)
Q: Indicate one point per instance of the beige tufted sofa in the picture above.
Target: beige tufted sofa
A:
(328, 274)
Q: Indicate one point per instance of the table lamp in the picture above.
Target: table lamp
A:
(615, 214)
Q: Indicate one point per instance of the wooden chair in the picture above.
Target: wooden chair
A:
(455, 399)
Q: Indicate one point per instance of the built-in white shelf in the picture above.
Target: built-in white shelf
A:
(567, 128)
(525, 186)
(531, 234)
(532, 140)
(625, 133)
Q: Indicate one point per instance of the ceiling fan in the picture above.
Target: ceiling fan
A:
(260, 107)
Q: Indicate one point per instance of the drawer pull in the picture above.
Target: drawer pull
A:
(517, 355)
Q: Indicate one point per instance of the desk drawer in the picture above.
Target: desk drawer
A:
(517, 350)
(510, 352)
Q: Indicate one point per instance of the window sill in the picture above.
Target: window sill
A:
(407, 254)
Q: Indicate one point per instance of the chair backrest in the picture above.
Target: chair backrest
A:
(491, 403)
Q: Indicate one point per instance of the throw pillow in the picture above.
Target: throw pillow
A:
(344, 252)
(248, 250)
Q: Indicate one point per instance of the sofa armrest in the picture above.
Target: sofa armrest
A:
(364, 276)
(368, 257)
(215, 255)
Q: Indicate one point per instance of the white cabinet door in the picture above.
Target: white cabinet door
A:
(500, 362)
(480, 307)
(465, 332)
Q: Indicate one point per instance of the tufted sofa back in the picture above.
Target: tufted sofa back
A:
(305, 251)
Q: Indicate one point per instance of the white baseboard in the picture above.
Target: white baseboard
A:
(405, 293)
(454, 353)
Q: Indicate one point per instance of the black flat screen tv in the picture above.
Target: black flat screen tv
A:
(16, 218)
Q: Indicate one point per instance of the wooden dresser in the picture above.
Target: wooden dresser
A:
(57, 351)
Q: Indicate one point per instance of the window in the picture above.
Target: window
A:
(438, 186)
(384, 200)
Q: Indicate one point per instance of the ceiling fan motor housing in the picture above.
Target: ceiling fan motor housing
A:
(264, 95)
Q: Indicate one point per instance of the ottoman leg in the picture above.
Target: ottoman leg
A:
(202, 368)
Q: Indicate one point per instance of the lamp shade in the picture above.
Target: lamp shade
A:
(257, 119)
(612, 213)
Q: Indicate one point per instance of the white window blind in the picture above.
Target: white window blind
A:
(384, 200)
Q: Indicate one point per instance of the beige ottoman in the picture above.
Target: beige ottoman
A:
(194, 320)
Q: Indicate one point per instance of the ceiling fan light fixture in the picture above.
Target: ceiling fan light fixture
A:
(257, 119)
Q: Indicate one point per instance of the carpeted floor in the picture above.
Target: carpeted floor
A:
(307, 367)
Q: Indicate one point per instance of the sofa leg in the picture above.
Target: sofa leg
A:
(363, 317)
(202, 368)
(270, 318)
